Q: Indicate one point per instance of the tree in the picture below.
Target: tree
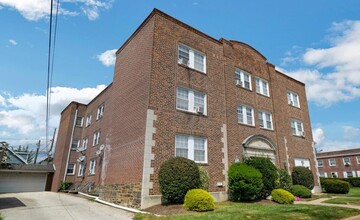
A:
(3, 153)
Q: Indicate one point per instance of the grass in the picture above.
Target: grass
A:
(352, 198)
(229, 210)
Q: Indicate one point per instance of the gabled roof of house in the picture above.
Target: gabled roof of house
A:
(14, 157)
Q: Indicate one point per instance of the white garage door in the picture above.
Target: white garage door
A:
(22, 182)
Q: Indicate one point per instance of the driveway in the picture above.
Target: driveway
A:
(50, 205)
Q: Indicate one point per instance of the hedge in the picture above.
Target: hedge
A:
(334, 185)
(301, 191)
(303, 176)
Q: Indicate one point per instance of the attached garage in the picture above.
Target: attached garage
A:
(25, 178)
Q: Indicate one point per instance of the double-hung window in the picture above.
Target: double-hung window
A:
(88, 121)
(75, 144)
(85, 143)
(100, 112)
(242, 79)
(191, 147)
(96, 139)
(346, 161)
(320, 163)
(245, 115)
(297, 128)
(92, 167)
(358, 159)
(190, 100)
(81, 169)
(71, 169)
(293, 99)
(79, 122)
(262, 86)
(191, 58)
(265, 120)
(332, 162)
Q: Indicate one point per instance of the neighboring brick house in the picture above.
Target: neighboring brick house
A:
(341, 164)
(179, 92)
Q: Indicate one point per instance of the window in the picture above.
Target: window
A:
(191, 147)
(92, 167)
(297, 128)
(323, 175)
(191, 58)
(96, 139)
(302, 163)
(262, 86)
(245, 115)
(71, 169)
(358, 159)
(190, 100)
(100, 112)
(242, 79)
(81, 170)
(334, 175)
(85, 143)
(348, 174)
(332, 162)
(75, 144)
(346, 161)
(320, 163)
(293, 99)
(265, 120)
(79, 122)
(88, 121)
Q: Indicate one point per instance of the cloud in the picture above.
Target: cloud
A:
(332, 74)
(22, 118)
(318, 135)
(339, 145)
(108, 57)
(351, 132)
(13, 42)
(35, 10)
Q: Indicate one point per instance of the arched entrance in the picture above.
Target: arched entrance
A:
(259, 146)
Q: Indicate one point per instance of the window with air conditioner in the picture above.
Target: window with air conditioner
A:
(265, 120)
(191, 147)
(75, 144)
(293, 99)
(242, 79)
(191, 101)
(346, 161)
(191, 58)
(297, 128)
(245, 115)
(334, 175)
(262, 86)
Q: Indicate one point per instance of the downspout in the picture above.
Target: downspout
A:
(71, 140)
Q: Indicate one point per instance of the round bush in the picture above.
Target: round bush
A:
(285, 181)
(177, 176)
(204, 178)
(270, 176)
(301, 191)
(303, 176)
(335, 186)
(282, 196)
(245, 182)
(199, 200)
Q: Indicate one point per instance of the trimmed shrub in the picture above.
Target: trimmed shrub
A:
(199, 200)
(177, 176)
(301, 191)
(285, 181)
(245, 182)
(282, 196)
(64, 185)
(354, 181)
(270, 176)
(204, 178)
(303, 176)
(335, 186)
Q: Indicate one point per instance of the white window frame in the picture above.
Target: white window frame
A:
(240, 75)
(262, 86)
(191, 59)
(358, 159)
(293, 99)
(336, 174)
(75, 144)
(349, 163)
(334, 164)
(244, 118)
(346, 174)
(322, 163)
(85, 142)
(302, 162)
(88, 120)
(73, 169)
(262, 117)
(297, 123)
(191, 100)
(96, 138)
(79, 121)
(191, 146)
(322, 174)
(92, 167)
(81, 169)
(100, 111)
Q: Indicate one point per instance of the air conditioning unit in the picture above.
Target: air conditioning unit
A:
(183, 61)
(81, 159)
(199, 110)
(80, 149)
(238, 82)
(302, 134)
(290, 102)
(347, 164)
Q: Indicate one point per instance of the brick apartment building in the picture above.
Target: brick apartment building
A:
(341, 164)
(179, 92)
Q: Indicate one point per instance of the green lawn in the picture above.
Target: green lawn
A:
(229, 210)
(352, 198)
(354, 192)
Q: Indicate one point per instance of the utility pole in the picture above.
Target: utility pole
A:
(37, 151)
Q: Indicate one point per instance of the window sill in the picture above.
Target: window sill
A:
(294, 106)
(299, 136)
(202, 163)
(92, 174)
(252, 126)
(191, 113)
(246, 89)
(267, 129)
(70, 174)
(267, 96)
(190, 68)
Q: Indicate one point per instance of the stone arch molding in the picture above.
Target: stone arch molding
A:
(259, 146)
